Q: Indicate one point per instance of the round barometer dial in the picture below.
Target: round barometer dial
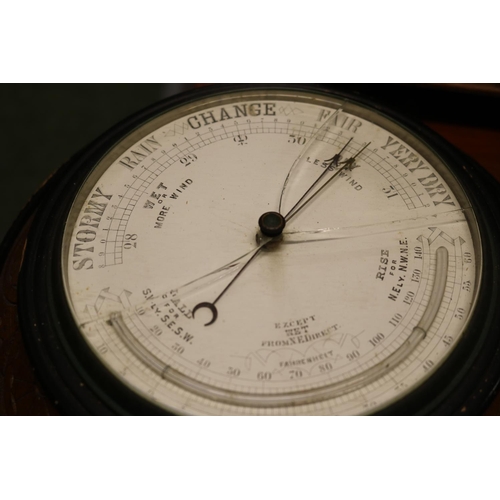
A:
(263, 251)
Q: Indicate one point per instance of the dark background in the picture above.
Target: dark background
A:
(43, 125)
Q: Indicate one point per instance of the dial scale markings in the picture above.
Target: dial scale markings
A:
(128, 201)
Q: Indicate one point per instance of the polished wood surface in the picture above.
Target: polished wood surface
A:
(480, 143)
(20, 391)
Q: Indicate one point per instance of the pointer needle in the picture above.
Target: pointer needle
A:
(211, 305)
(346, 165)
(333, 162)
(308, 149)
(273, 223)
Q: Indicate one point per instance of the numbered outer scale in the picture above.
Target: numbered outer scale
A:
(272, 250)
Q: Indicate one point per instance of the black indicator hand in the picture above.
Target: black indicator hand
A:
(211, 305)
(347, 164)
(273, 223)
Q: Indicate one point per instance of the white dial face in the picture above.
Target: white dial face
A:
(358, 301)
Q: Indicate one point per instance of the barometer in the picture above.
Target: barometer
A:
(265, 250)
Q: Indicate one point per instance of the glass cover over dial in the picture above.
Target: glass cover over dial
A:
(349, 295)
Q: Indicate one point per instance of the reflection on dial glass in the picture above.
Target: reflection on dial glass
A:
(357, 301)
